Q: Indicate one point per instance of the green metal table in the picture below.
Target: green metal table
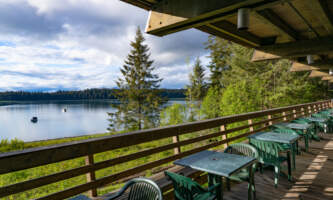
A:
(300, 127)
(217, 164)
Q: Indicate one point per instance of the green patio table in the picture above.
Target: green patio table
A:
(318, 121)
(217, 164)
(300, 127)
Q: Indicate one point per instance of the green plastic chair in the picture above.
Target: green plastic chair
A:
(187, 189)
(244, 175)
(329, 118)
(312, 130)
(293, 148)
(139, 189)
(269, 154)
(305, 136)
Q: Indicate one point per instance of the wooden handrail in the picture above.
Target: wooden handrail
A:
(20, 160)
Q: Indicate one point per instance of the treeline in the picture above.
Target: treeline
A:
(103, 93)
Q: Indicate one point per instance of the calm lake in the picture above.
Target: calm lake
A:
(80, 118)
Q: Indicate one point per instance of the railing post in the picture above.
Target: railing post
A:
(224, 137)
(284, 116)
(295, 115)
(175, 139)
(309, 110)
(250, 122)
(91, 175)
(302, 110)
(270, 122)
(315, 108)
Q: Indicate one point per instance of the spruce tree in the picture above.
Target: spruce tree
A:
(138, 95)
(197, 88)
(219, 53)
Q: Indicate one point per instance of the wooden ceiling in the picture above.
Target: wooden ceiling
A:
(289, 29)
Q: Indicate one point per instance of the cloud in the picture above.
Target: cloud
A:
(82, 44)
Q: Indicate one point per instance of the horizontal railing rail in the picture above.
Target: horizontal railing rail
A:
(249, 123)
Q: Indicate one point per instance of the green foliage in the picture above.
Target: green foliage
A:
(138, 94)
(211, 103)
(175, 114)
(219, 52)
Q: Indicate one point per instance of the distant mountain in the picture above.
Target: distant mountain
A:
(94, 93)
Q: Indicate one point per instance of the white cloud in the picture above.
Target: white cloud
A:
(82, 44)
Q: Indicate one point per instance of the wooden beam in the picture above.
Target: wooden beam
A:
(315, 74)
(231, 29)
(262, 56)
(322, 12)
(300, 48)
(175, 15)
(321, 64)
(269, 17)
(298, 67)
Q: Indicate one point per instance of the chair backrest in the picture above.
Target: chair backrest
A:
(285, 130)
(242, 149)
(142, 189)
(268, 151)
(184, 187)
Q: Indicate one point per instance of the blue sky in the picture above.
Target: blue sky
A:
(78, 44)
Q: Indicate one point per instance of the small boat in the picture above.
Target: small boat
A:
(64, 110)
(34, 119)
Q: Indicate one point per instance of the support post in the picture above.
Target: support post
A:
(295, 115)
(284, 116)
(91, 175)
(175, 139)
(250, 122)
(224, 137)
(270, 123)
(303, 113)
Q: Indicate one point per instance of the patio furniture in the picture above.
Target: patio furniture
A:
(313, 130)
(138, 189)
(80, 197)
(321, 124)
(326, 116)
(301, 129)
(269, 147)
(218, 165)
(292, 147)
(243, 174)
(187, 189)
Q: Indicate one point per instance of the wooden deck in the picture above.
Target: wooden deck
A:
(313, 178)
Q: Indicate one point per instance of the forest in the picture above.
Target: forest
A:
(88, 94)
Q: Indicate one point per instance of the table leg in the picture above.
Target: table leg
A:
(289, 166)
(214, 179)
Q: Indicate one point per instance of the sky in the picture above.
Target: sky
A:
(49, 45)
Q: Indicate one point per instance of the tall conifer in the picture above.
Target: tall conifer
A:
(139, 100)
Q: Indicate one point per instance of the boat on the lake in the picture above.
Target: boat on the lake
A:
(34, 120)
(64, 110)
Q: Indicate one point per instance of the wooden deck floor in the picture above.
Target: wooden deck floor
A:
(313, 178)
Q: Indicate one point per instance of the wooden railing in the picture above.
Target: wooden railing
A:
(219, 129)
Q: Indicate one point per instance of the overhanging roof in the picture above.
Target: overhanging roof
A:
(280, 28)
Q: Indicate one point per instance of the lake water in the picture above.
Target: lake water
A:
(81, 118)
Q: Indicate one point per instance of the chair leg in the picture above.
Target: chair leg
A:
(253, 188)
(276, 175)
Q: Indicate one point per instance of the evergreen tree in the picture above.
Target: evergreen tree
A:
(196, 91)
(219, 53)
(138, 95)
